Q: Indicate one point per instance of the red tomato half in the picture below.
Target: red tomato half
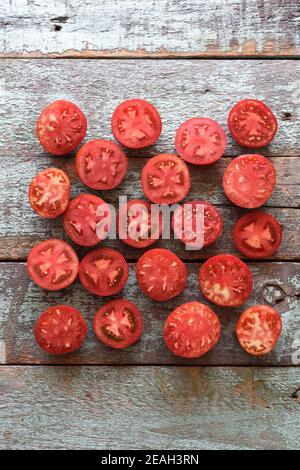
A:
(249, 180)
(60, 329)
(165, 179)
(87, 220)
(49, 193)
(101, 164)
(252, 124)
(139, 223)
(200, 141)
(161, 274)
(191, 330)
(103, 271)
(184, 222)
(257, 234)
(52, 264)
(61, 127)
(118, 324)
(225, 280)
(258, 329)
(136, 123)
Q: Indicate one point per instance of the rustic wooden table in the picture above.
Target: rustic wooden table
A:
(97, 54)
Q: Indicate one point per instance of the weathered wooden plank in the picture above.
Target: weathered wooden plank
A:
(136, 28)
(277, 284)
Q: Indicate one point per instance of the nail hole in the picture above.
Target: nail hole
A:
(296, 394)
(287, 116)
(57, 27)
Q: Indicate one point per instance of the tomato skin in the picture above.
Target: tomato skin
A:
(118, 324)
(251, 114)
(191, 330)
(61, 127)
(249, 180)
(136, 123)
(200, 141)
(257, 234)
(60, 329)
(225, 280)
(57, 183)
(258, 329)
(96, 274)
(101, 158)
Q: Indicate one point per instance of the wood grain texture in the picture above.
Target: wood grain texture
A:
(140, 28)
(276, 284)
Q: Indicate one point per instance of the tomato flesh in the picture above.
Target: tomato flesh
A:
(258, 329)
(61, 127)
(191, 330)
(118, 324)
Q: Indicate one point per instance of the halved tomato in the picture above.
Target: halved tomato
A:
(225, 280)
(60, 329)
(258, 329)
(103, 271)
(136, 123)
(200, 141)
(52, 264)
(257, 234)
(139, 223)
(249, 180)
(165, 179)
(191, 330)
(252, 124)
(101, 164)
(87, 220)
(49, 193)
(161, 274)
(118, 324)
(61, 127)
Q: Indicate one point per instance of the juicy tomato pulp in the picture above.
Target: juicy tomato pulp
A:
(118, 324)
(225, 280)
(101, 164)
(165, 179)
(49, 193)
(257, 234)
(200, 141)
(192, 215)
(252, 124)
(103, 271)
(136, 124)
(139, 223)
(258, 329)
(191, 330)
(87, 220)
(60, 329)
(161, 274)
(61, 127)
(249, 180)
(52, 264)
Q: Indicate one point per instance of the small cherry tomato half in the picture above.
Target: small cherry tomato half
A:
(249, 180)
(101, 164)
(49, 193)
(161, 274)
(225, 280)
(103, 271)
(191, 330)
(60, 329)
(118, 324)
(52, 264)
(165, 179)
(61, 127)
(252, 124)
(257, 234)
(258, 329)
(136, 123)
(200, 141)
(87, 220)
